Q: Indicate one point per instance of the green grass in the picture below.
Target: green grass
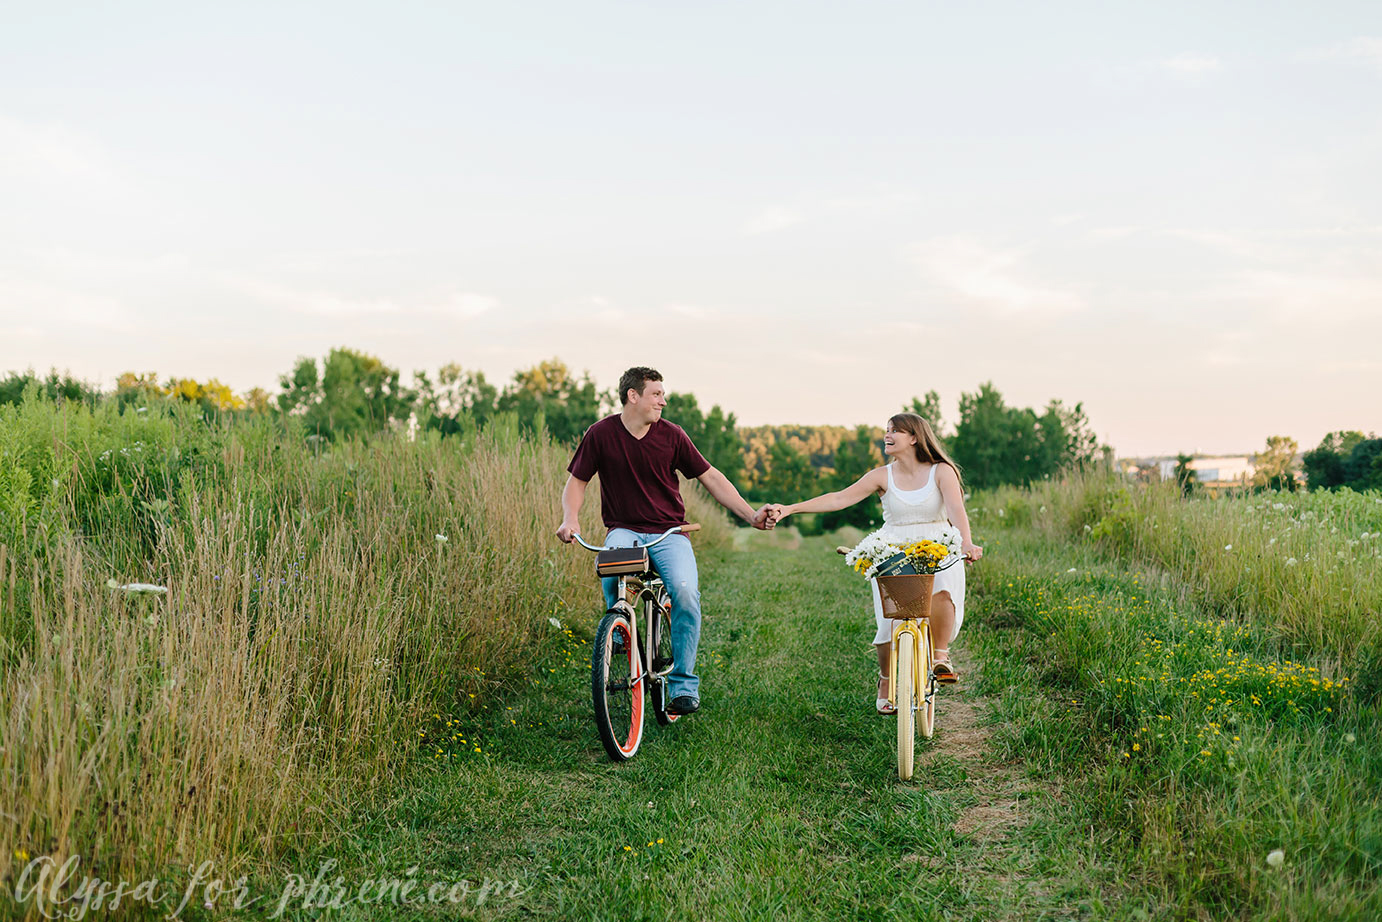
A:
(779, 800)
(1196, 745)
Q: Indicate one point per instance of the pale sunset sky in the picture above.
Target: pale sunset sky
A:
(805, 212)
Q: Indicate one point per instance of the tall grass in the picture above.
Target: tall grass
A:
(1216, 702)
(1304, 568)
(321, 600)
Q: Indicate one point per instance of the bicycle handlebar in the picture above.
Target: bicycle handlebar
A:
(678, 529)
(841, 550)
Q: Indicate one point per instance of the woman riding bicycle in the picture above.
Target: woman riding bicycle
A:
(923, 497)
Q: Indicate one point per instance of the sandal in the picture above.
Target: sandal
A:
(942, 669)
(883, 705)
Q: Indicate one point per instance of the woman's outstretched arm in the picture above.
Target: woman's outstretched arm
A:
(863, 488)
(949, 484)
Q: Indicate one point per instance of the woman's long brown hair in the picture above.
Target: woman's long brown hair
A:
(928, 447)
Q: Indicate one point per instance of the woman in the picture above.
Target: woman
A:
(923, 497)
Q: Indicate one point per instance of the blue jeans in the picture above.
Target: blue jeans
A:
(675, 562)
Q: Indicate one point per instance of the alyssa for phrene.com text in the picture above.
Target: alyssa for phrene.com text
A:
(58, 893)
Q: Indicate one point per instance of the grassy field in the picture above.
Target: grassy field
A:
(1207, 669)
(320, 599)
(1167, 712)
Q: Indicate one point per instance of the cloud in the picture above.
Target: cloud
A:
(1364, 50)
(983, 276)
(59, 305)
(769, 220)
(1190, 64)
(457, 304)
(466, 304)
(32, 150)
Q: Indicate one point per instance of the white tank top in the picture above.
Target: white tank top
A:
(923, 506)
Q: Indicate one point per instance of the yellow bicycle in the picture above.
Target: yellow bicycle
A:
(912, 681)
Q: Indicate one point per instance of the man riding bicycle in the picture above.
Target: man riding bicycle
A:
(637, 454)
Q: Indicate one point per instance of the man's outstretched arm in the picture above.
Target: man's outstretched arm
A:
(572, 498)
(718, 486)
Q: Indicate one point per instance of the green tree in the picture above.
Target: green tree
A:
(790, 477)
(356, 395)
(55, 387)
(928, 408)
(1185, 475)
(1324, 464)
(547, 396)
(1363, 469)
(1273, 465)
(995, 444)
(853, 459)
(715, 434)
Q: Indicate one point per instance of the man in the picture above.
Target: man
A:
(637, 454)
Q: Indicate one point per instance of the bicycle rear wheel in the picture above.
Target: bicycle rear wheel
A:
(616, 686)
(662, 658)
(905, 679)
(926, 695)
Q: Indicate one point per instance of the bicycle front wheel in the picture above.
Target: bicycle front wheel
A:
(616, 687)
(905, 679)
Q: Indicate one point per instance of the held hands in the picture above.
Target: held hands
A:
(768, 515)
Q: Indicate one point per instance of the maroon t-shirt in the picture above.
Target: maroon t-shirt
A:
(638, 477)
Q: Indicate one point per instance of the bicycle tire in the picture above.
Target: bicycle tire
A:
(662, 657)
(926, 706)
(616, 695)
(905, 679)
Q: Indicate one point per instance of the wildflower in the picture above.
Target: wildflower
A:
(442, 539)
(1071, 570)
(1228, 547)
(137, 587)
(1350, 738)
(1291, 561)
(1276, 858)
(1136, 747)
(555, 623)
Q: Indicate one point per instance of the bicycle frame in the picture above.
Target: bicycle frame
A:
(648, 592)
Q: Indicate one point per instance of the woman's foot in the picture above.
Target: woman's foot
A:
(881, 704)
(943, 669)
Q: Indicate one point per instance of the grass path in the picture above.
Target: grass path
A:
(779, 800)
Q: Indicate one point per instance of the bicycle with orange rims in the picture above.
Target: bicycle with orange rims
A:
(628, 661)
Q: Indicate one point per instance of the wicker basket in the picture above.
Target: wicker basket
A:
(907, 596)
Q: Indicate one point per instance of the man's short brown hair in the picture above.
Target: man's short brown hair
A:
(636, 378)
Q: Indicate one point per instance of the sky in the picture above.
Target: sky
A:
(804, 212)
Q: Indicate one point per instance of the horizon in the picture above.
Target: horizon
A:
(1171, 215)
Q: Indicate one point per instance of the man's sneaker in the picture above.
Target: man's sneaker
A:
(683, 704)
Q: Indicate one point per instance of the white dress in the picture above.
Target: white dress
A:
(909, 515)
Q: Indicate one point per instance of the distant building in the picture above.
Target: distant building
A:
(1218, 472)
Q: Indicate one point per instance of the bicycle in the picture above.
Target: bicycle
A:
(906, 598)
(621, 668)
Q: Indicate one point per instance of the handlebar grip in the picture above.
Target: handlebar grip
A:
(687, 529)
(843, 550)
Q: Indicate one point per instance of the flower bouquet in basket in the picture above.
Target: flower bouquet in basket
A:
(906, 573)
